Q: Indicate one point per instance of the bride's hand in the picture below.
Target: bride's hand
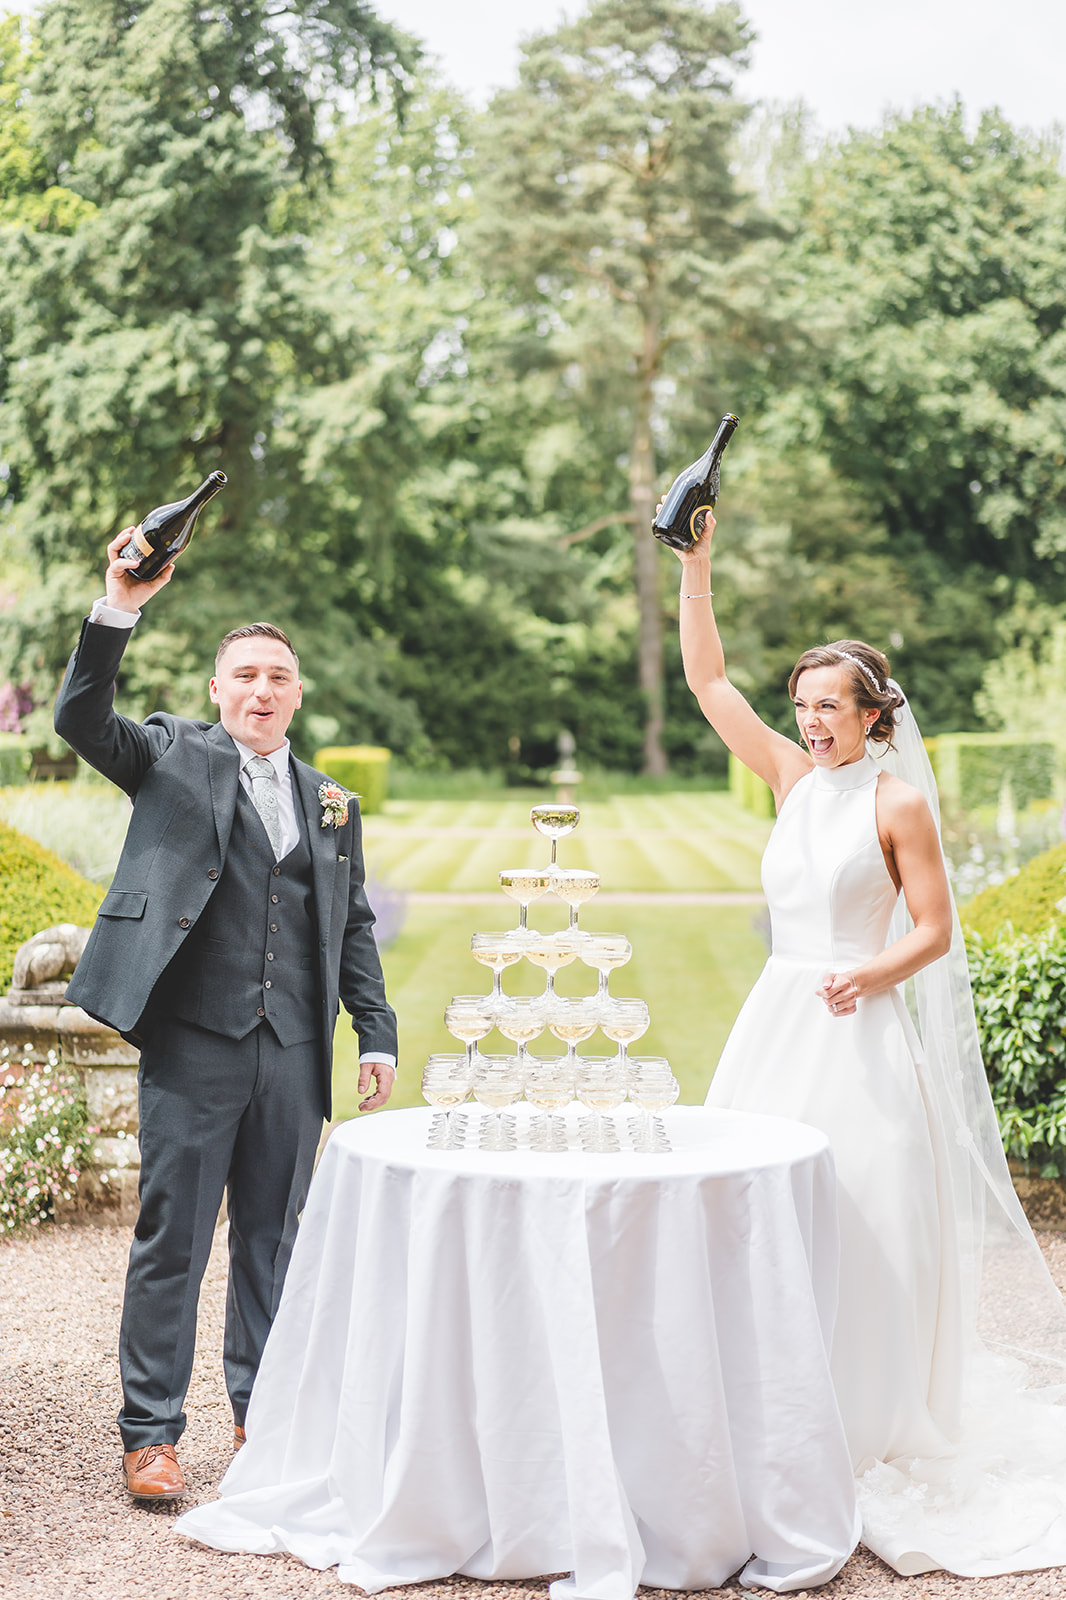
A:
(840, 992)
(702, 547)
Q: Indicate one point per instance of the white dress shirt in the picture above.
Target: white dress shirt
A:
(112, 617)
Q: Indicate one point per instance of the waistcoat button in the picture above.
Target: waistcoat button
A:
(267, 984)
(273, 899)
(273, 927)
(270, 955)
(276, 871)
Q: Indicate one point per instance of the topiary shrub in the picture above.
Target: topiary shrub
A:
(362, 768)
(1028, 903)
(970, 768)
(749, 791)
(14, 760)
(1019, 990)
(39, 890)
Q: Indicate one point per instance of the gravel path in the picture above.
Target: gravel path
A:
(67, 1528)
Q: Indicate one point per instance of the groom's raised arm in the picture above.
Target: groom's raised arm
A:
(85, 714)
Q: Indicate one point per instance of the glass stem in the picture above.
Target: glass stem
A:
(497, 985)
(555, 843)
(522, 909)
(573, 919)
(601, 987)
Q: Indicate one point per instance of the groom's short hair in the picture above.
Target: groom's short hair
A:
(256, 630)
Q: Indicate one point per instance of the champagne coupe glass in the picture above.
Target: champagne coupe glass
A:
(520, 1019)
(549, 1087)
(497, 951)
(605, 951)
(524, 884)
(575, 886)
(573, 1021)
(469, 1018)
(497, 1083)
(446, 1082)
(556, 821)
(601, 1086)
(550, 951)
(623, 1021)
(651, 1087)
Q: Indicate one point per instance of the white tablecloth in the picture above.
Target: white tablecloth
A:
(509, 1365)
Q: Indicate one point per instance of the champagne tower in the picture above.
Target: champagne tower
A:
(549, 1084)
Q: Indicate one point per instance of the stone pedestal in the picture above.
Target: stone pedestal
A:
(107, 1066)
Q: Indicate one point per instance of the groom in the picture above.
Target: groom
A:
(236, 923)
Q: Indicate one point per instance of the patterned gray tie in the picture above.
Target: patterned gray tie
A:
(265, 799)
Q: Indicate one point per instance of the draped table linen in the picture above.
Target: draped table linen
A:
(506, 1365)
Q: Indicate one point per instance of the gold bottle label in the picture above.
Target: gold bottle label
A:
(137, 538)
(701, 512)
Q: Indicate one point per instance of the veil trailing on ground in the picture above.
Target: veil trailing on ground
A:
(1010, 1306)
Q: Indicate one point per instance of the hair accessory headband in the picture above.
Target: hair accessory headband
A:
(862, 668)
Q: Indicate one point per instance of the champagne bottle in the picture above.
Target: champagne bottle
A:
(694, 492)
(164, 532)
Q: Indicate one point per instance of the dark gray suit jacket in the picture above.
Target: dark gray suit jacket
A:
(182, 777)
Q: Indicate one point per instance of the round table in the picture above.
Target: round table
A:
(507, 1365)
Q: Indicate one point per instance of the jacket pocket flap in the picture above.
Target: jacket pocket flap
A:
(123, 903)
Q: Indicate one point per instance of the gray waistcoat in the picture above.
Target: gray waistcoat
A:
(251, 955)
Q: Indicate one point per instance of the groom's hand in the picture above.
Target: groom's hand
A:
(384, 1077)
(122, 591)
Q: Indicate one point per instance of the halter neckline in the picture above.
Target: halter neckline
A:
(854, 775)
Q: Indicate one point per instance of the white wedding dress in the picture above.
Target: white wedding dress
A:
(959, 1465)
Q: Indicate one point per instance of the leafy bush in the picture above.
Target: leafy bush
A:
(45, 1141)
(1028, 903)
(1019, 987)
(362, 768)
(40, 890)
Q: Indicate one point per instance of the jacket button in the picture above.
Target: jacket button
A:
(212, 872)
(183, 922)
(260, 1012)
(267, 984)
(270, 955)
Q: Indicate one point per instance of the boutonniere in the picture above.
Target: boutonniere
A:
(334, 802)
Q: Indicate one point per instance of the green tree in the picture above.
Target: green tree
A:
(922, 302)
(150, 341)
(607, 199)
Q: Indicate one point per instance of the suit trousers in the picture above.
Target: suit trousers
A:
(240, 1117)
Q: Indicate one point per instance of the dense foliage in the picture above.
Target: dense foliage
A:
(40, 891)
(447, 358)
(1019, 987)
(1028, 903)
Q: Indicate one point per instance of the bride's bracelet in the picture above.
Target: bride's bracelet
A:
(708, 594)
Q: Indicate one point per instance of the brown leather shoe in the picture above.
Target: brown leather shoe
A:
(239, 1436)
(153, 1473)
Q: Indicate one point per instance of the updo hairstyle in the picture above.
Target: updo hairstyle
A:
(870, 687)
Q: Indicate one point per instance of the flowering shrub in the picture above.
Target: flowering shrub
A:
(45, 1139)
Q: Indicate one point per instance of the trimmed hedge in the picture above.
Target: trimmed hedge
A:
(361, 768)
(39, 891)
(750, 792)
(14, 760)
(1025, 904)
(970, 768)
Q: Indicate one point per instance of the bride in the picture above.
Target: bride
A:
(949, 1352)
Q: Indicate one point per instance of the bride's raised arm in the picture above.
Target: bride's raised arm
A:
(775, 759)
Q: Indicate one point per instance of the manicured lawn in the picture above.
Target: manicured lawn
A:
(693, 963)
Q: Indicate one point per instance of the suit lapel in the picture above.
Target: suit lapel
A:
(323, 842)
(223, 766)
